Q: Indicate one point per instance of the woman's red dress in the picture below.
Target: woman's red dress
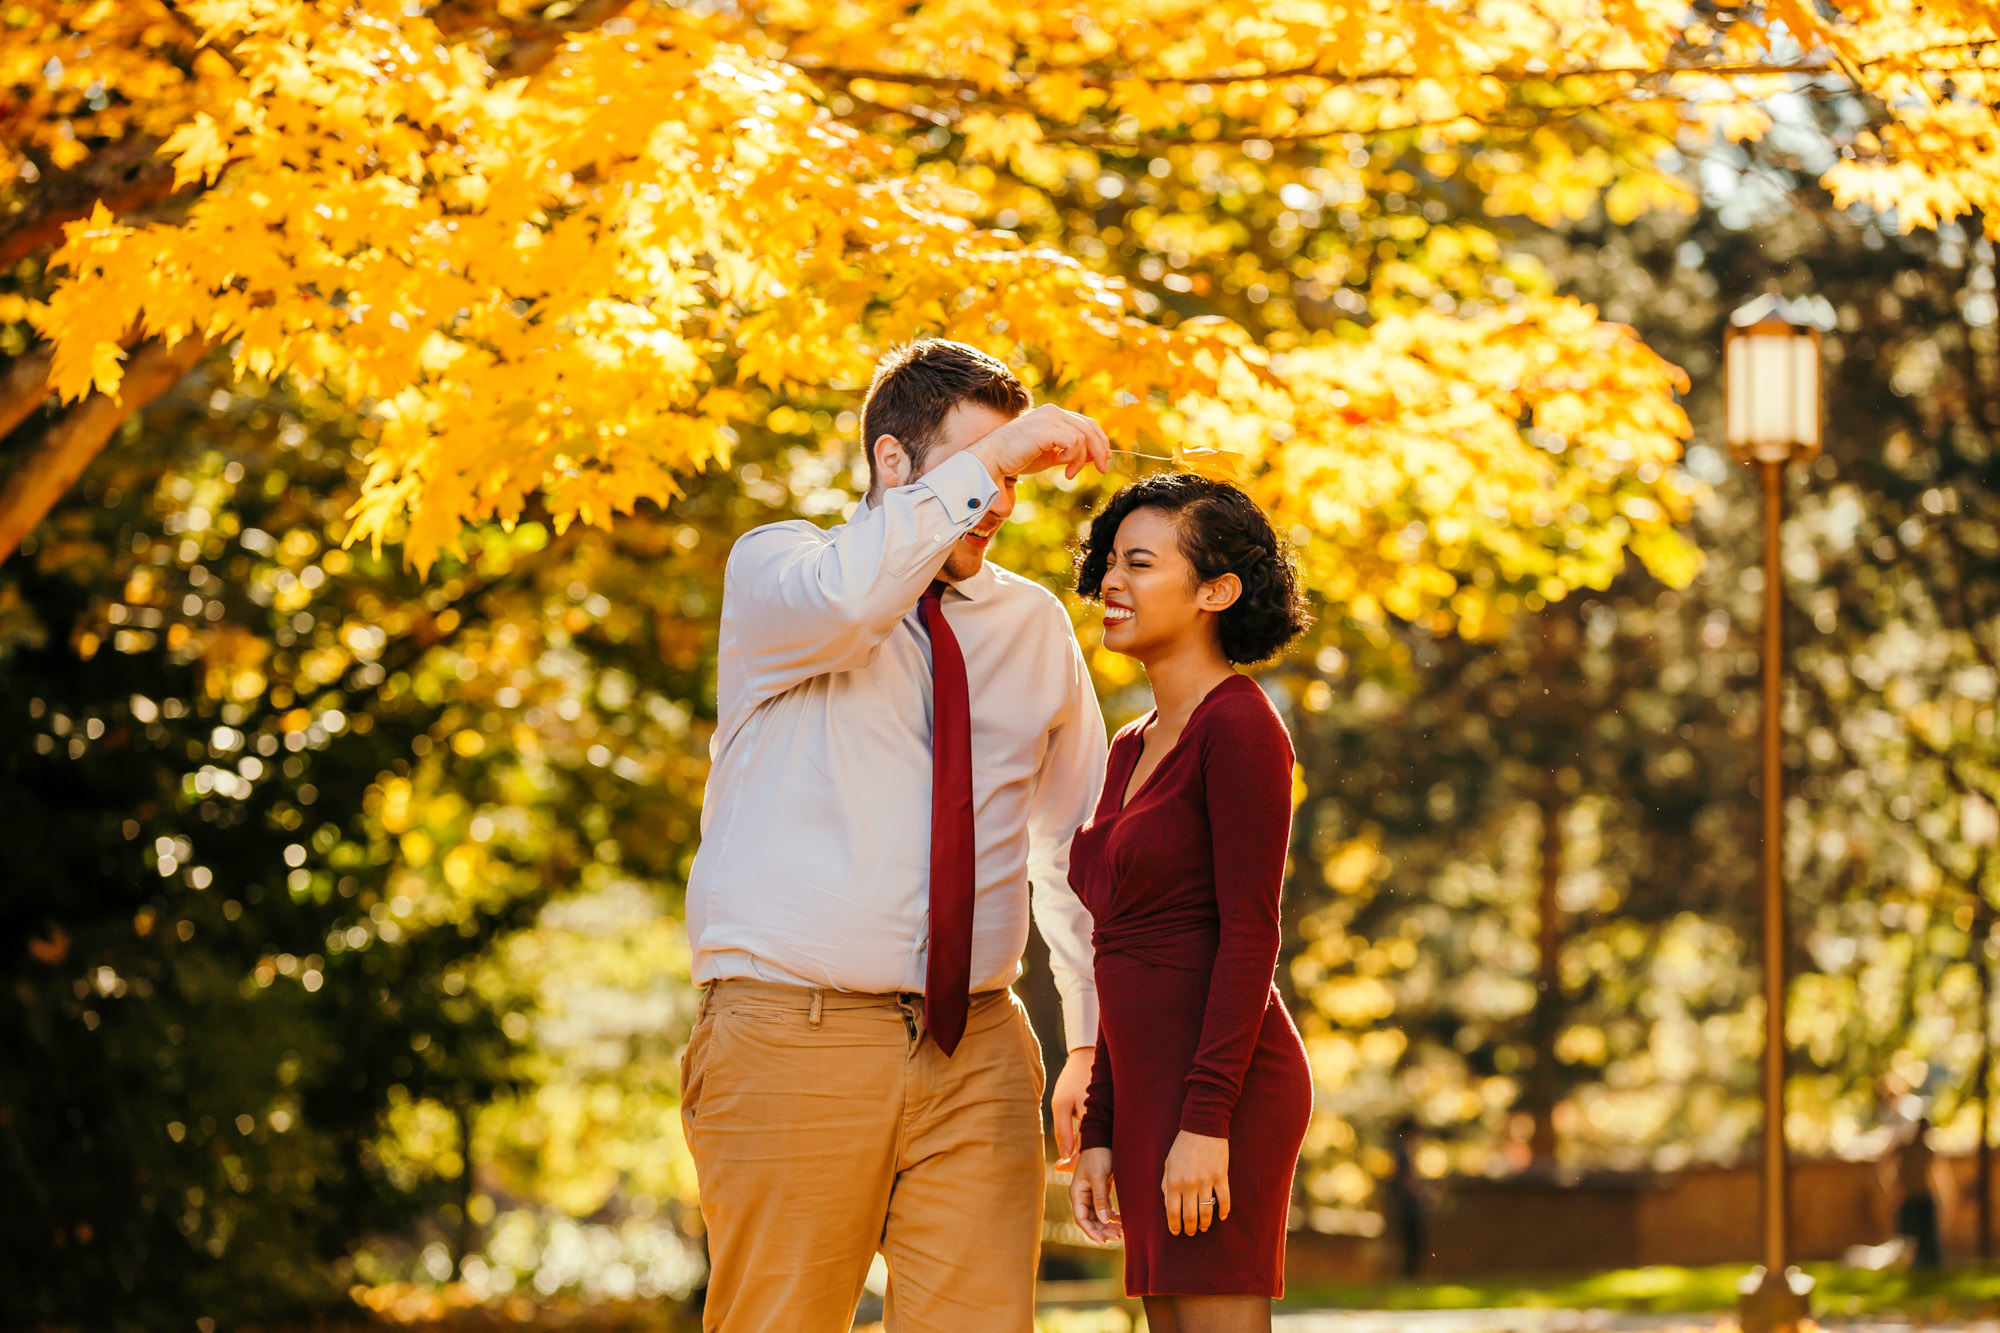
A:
(1183, 884)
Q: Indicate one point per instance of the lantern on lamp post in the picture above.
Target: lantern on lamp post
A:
(1771, 375)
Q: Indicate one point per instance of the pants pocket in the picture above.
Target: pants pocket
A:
(1033, 1048)
(694, 1067)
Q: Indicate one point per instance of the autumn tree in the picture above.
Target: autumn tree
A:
(564, 256)
(1419, 874)
(540, 264)
(301, 853)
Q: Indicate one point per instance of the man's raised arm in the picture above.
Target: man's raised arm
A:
(801, 602)
(798, 602)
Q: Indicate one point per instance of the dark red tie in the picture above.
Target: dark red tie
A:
(948, 978)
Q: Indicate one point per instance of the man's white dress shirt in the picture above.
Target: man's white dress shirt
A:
(814, 866)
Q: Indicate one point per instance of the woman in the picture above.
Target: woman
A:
(1200, 1094)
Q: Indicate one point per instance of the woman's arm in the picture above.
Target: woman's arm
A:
(1095, 1131)
(1247, 776)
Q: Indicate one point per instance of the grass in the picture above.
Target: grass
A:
(1959, 1292)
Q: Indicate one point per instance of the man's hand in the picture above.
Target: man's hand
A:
(1044, 437)
(1090, 1197)
(1197, 1172)
(1066, 1107)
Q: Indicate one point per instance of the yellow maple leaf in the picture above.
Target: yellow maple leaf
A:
(105, 367)
(202, 151)
(992, 138)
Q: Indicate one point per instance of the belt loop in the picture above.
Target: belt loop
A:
(818, 1007)
(702, 1006)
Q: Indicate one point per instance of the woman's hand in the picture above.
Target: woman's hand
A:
(1090, 1197)
(1197, 1172)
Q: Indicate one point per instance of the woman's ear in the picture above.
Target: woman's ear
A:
(892, 463)
(1219, 595)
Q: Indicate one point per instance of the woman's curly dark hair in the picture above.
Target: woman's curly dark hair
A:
(1222, 531)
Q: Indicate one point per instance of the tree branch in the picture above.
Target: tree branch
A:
(1336, 78)
(129, 174)
(532, 43)
(55, 463)
(24, 386)
(124, 176)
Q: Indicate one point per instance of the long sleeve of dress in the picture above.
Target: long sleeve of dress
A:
(1095, 1132)
(1247, 780)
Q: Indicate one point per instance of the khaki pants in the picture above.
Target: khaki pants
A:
(826, 1127)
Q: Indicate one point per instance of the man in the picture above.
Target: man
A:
(1917, 1213)
(906, 741)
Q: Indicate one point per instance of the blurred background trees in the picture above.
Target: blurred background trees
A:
(1622, 723)
(342, 898)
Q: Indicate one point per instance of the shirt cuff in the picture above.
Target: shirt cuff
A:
(1080, 1017)
(962, 484)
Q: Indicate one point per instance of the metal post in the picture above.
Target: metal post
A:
(1776, 1180)
(1777, 1300)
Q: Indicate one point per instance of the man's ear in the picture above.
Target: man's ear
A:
(1219, 594)
(891, 463)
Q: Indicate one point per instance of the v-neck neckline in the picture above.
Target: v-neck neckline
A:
(1129, 796)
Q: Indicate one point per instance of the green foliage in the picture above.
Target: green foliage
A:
(207, 1020)
(1635, 709)
(279, 823)
(1663, 1289)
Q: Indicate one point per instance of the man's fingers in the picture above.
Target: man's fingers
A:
(1100, 447)
(1096, 444)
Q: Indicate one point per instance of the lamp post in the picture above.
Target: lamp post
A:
(1772, 384)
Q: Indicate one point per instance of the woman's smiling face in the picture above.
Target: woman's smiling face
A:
(1151, 595)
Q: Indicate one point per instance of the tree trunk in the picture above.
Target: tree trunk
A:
(48, 471)
(462, 1243)
(1548, 979)
(1982, 938)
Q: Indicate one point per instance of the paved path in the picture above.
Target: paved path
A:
(1481, 1321)
(1580, 1321)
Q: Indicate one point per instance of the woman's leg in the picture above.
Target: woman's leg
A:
(1218, 1314)
(1160, 1316)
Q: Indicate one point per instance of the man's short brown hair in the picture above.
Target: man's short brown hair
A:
(917, 385)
